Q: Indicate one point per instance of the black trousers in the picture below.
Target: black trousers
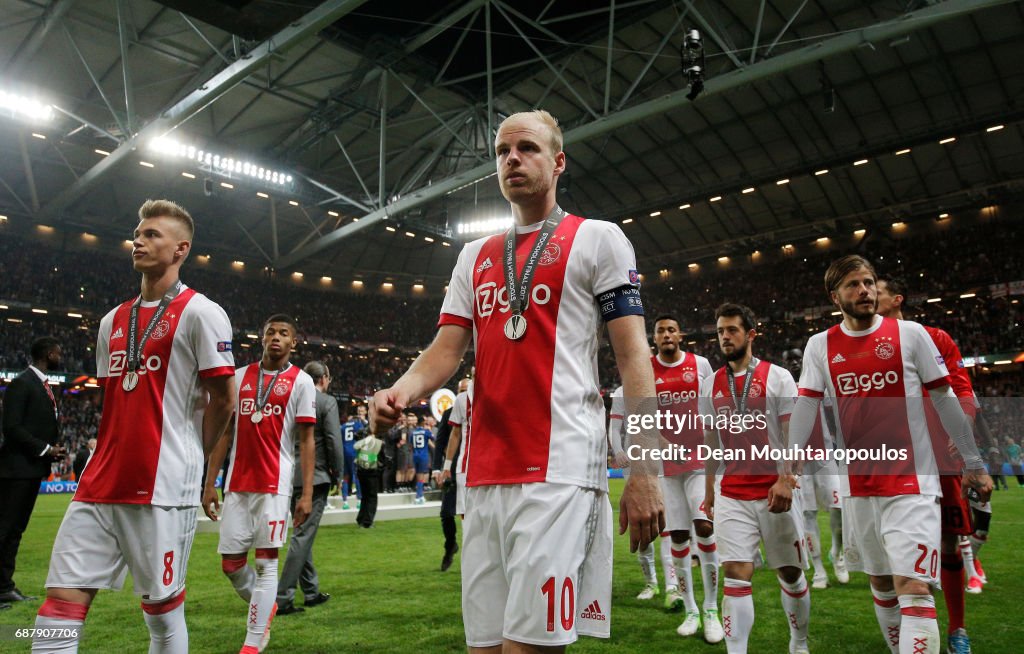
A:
(369, 481)
(448, 518)
(18, 500)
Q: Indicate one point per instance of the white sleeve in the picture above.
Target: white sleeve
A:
(704, 370)
(781, 391)
(458, 301)
(103, 346)
(210, 336)
(614, 265)
(931, 367)
(814, 374)
(705, 406)
(458, 415)
(304, 398)
(618, 404)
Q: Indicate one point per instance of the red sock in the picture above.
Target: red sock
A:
(952, 577)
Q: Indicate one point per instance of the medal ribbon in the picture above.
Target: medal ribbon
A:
(261, 397)
(135, 348)
(741, 403)
(519, 299)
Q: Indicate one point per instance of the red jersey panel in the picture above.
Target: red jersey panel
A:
(263, 453)
(960, 381)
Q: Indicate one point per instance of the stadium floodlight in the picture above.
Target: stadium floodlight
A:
(25, 108)
(486, 226)
(222, 164)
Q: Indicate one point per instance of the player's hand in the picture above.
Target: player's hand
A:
(211, 505)
(641, 511)
(57, 451)
(708, 506)
(302, 510)
(980, 481)
(385, 409)
(621, 460)
(436, 476)
(780, 495)
(446, 475)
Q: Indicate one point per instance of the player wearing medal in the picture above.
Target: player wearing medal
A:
(276, 409)
(755, 500)
(536, 565)
(158, 356)
(877, 369)
(678, 377)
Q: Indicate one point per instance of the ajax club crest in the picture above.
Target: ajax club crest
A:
(884, 349)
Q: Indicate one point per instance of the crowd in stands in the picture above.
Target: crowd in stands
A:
(369, 339)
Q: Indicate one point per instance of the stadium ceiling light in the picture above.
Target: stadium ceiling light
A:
(1002, 362)
(446, 244)
(417, 287)
(297, 275)
(627, 221)
(823, 171)
(332, 213)
(238, 264)
(947, 140)
(655, 214)
(899, 225)
(933, 300)
(19, 106)
(823, 240)
(410, 235)
(723, 259)
(293, 203)
(103, 152)
(715, 198)
(189, 175)
(226, 185)
(39, 136)
(837, 313)
(693, 266)
(903, 151)
(943, 216)
(860, 232)
(389, 228)
(146, 164)
(860, 162)
(357, 283)
(218, 163)
(749, 189)
(963, 296)
(386, 285)
(782, 181)
(326, 280)
(684, 207)
(428, 239)
(40, 311)
(3, 219)
(487, 226)
(995, 128)
(261, 194)
(72, 314)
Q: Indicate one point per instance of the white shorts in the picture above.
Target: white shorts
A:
(536, 564)
(460, 493)
(253, 521)
(741, 525)
(683, 496)
(821, 490)
(893, 536)
(97, 544)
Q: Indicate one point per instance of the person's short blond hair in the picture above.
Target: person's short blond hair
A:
(168, 209)
(547, 120)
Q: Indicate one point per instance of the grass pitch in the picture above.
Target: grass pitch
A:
(388, 596)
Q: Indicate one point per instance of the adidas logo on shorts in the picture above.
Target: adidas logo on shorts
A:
(593, 612)
(838, 358)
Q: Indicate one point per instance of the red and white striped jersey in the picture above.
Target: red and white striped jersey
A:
(772, 394)
(462, 416)
(538, 413)
(149, 450)
(263, 453)
(678, 389)
(878, 377)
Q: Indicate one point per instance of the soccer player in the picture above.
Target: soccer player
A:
(348, 440)
(956, 517)
(422, 441)
(755, 502)
(821, 490)
(460, 420)
(536, 554)
(135, 507)
(877, 369)
(678, 376)
(276, 409)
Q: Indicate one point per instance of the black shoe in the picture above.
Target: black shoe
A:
(288, 609)
(14, 595)
(319, 598)
(446, 562)
(4, 606)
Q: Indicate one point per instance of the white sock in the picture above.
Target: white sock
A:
(241, 576)
(978, 539)
(813, 539)
(168, 633)
(60, 614)
(262, 603)
(919, 630)
(667, 565)
(646, 559)
(968, 555)
(737, 615)
(796, 602)
(835, 524)
(684, 574)
(707, 553)
(887, 612)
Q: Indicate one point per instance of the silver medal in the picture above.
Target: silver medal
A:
(256, 417)
(129, 381)
(515, 327)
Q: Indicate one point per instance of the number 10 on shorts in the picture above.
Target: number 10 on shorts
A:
(567, 598)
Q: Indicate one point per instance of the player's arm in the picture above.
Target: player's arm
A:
(211, 505)
(428, 372)
(307, 459)
(958, 426)
(219, 408)
(640, 508)
(780, 495)
(449, 453)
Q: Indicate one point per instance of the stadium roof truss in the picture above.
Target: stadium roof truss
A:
(382, 115)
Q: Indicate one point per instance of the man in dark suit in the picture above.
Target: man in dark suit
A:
(82, 457)
(30, 433)
(298, 566)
